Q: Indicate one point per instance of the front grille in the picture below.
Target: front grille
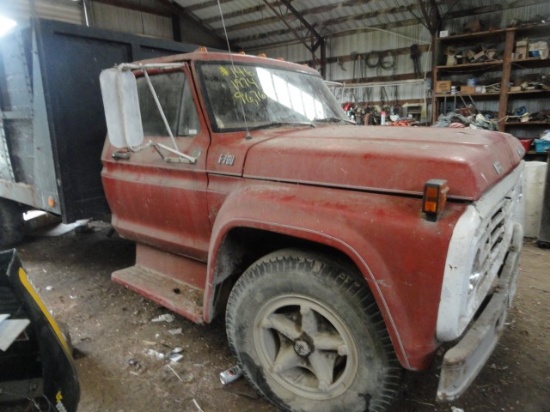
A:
(481, 241)
(495, 240)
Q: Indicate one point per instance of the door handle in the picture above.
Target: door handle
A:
(121, 155)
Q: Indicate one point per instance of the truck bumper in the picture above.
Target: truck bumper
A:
(463, 362)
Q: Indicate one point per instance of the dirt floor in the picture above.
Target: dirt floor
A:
(117, 343)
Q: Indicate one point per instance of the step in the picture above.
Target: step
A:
(174, 294)
(176, 266)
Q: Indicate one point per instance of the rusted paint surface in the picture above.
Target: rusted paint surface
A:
(178, 267)
(161, 289)
(375, 158)
(400, 255)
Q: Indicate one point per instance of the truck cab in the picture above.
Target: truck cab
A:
(338, 254)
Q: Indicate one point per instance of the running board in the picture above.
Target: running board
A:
(161, 277)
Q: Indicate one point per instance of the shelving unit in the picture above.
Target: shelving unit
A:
(506, 69)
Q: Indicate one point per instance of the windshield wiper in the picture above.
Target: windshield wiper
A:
(279, 124)
(333, 120)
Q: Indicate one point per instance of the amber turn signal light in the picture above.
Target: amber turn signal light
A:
(435, 198)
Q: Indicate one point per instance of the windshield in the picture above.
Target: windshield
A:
(241, 96)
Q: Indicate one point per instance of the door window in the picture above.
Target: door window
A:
(175, 97)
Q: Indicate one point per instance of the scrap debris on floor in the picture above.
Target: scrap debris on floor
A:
(133, 355)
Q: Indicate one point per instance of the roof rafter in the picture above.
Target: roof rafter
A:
(310, 30)
(370, 15)
(239, 13)
(412, 8)
(261, 7)
(378, 13)
(385, 26)
(205, 5)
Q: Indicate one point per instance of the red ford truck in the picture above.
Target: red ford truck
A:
(338, 254)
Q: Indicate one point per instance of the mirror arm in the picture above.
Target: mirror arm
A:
(159, 152)
(181, 155)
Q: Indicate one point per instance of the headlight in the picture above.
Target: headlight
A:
(476, 275)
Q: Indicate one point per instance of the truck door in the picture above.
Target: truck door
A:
(156, 196)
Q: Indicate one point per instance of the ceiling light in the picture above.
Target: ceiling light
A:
(6, 25)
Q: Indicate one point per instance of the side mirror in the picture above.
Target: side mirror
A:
(121, 105)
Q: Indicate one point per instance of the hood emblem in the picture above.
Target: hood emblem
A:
(226, 159)
(498, 167)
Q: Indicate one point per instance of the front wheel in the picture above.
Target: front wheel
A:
(309, 336)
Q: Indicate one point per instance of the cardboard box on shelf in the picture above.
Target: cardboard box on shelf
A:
(467, 89)
(443, 86)
(538, 49)
(521, 49)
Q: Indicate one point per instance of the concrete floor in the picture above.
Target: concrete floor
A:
(112, 331)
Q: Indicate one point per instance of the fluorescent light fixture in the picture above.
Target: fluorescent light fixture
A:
(6, 25)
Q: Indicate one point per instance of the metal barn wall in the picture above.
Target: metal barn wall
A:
(63, 10)
(109, 17)
(361, 43)
(192, 32)
(100, 15)
(380, 41)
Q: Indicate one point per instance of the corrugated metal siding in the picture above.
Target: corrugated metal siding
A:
(362, 43)
(109, 17)
(157, 26)
(340, 17)
(63, 10)
(228, 7)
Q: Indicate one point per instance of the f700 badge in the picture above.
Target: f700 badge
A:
(226, 159)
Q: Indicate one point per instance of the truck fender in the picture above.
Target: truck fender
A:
(302, 212)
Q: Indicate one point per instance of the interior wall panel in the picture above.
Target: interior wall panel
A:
(105, 16)
(63, 10)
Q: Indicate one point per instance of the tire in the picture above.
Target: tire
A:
(310, 337)
(11, 223)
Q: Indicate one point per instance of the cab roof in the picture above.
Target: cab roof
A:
(205, 56)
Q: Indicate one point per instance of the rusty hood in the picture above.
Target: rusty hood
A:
(385, 159)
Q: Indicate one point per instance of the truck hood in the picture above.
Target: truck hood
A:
(385, 159)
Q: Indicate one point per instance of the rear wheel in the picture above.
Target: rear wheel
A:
(11, 223)
(309, 336)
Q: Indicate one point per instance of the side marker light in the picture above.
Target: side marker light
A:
(435, 198)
